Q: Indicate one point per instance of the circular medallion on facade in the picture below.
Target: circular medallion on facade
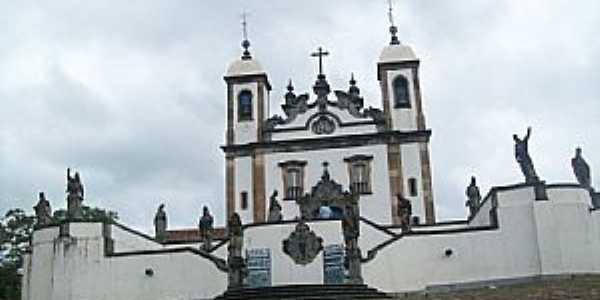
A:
(323, 125)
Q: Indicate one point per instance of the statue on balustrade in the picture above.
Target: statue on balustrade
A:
(582, 170)
(160, 223)
(351, 230)
(404, 212)
(75, 195)
(235, 262)
(274, 208)
(523, 158)
(473, 196)
(205, 225)
(43, 212)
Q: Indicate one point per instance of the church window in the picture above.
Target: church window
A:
(359, 168)
(401, 94)
(245, 106)
(244, 200)
(412, 187)
(293, 178)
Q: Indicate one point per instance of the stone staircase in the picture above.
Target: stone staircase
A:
(305, 292)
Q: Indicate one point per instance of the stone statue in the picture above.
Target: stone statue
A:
(473, 196)
(75, 195)
(235, 262)
(43, 212)
(160, 223)
(405, 212)
(205, 224)
(582, 170)
(523, 158)
(351, 230)
(274, 208)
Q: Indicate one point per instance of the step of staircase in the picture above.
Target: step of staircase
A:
(305, 292)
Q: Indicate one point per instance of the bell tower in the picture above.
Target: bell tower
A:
(408, 161)
(248, 89)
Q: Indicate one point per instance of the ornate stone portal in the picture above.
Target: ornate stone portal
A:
(328, 193)
(303, 244)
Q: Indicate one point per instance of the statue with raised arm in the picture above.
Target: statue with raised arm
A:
(523, 158)
(75, 194)
(582, 170)
(205, 224)
(43, 212)
(160, 223)
(473, 196)
(274, 208)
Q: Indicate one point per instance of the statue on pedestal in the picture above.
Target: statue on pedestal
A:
(235, 262)
(75, 195)
(160, 223)
(274, 208)
(474, 197)
(43, 212)
(523, 158)
(205, 225)
(582, 170)
(351, 229)
(404, 212)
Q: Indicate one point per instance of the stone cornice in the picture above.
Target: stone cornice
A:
(340, 141)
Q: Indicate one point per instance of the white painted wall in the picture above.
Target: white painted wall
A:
(75, 267)
(411, 168)
(376, 206)
(558, 236)
(243, 183)
(284, 270)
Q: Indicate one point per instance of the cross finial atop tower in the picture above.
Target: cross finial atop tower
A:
(245, 43)
(393, 28)
(320, 53)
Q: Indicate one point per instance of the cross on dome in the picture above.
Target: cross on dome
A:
(320, 53)
(245, 43)
(393, 28)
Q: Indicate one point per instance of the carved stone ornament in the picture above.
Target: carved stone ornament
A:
(303, 245)
(326, 192)
(323, 125)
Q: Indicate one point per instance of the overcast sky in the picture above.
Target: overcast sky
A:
(130, 93)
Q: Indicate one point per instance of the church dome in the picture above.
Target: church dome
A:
(242, 67)
(397, 53)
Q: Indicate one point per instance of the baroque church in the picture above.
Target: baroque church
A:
(332, 200)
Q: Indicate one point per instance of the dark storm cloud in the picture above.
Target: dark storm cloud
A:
(131, 94)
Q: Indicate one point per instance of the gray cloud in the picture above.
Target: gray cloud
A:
(132, 94)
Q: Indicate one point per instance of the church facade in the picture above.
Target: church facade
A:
(376, 153)
(353, 207)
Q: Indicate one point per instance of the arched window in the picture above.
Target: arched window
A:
(245, 106)
(401, 94)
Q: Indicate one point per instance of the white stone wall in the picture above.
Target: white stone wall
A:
(75, 268)
(557, 236)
